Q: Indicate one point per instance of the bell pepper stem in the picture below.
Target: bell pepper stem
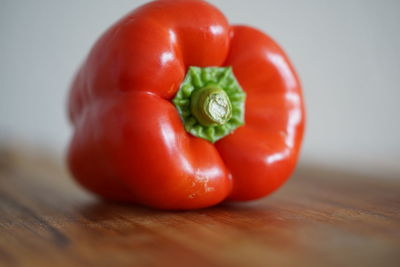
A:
(210, 102)
(211, 106)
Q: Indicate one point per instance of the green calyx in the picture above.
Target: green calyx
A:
(210, 102)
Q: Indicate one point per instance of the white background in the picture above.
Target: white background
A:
(346, 52)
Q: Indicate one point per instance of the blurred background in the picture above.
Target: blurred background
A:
(346, 52)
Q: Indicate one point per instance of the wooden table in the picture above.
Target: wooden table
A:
(319, 218)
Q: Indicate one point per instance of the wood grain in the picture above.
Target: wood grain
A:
(319, 218)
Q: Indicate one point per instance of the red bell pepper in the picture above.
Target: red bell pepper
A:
(144, 133)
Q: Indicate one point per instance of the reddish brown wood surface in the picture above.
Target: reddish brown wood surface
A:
(319, 218)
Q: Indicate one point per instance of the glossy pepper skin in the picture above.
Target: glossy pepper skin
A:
(129, 143)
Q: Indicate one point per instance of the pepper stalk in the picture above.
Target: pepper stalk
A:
(210, 102)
